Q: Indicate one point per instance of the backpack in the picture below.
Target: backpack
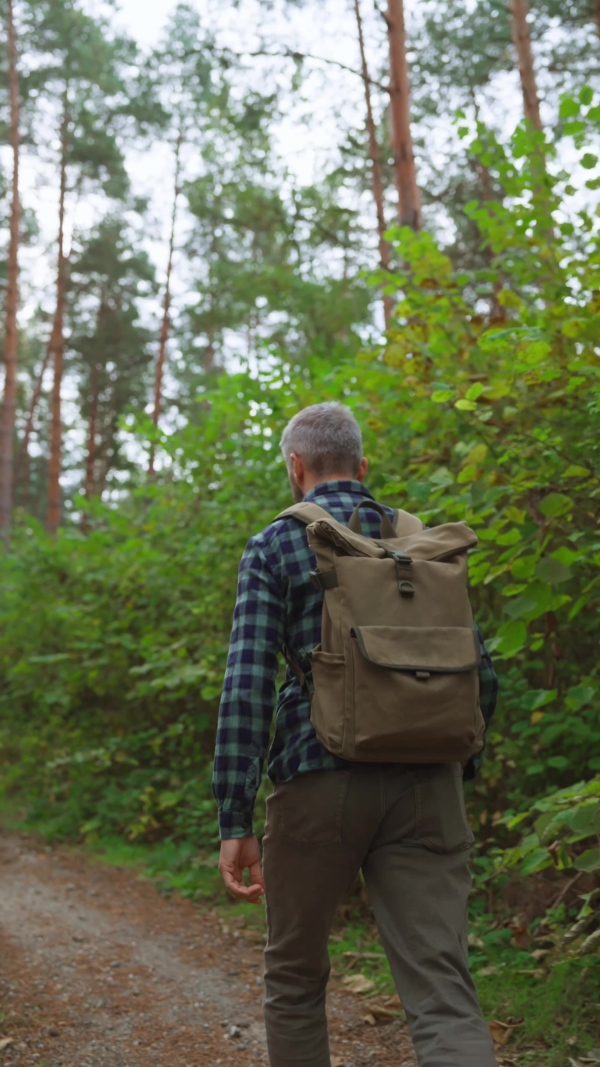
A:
(395, 678)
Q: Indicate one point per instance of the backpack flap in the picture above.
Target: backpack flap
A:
(439, 543)
(427, 649)
(415, 694)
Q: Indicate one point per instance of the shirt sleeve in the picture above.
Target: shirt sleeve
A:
(488, 697)
(248, 697)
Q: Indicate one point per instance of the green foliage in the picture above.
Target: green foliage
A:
(564, 835)
(483, 404)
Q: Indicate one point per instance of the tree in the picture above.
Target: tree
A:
(519, 11)
(166, 319)
(7, 427)
(109, 348)
(84, 69)
(409, 200)
(376, 167)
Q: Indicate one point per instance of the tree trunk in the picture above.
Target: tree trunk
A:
(522, 41)
(596, 14)
(164, 329)
(376, 169)
(89, 482)
(409, 200)
(22, 460)
(57, 343)
(9, 407)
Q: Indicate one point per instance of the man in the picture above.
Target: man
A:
(403, 825)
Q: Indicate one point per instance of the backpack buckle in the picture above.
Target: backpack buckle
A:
(403, 565)
(400, 558)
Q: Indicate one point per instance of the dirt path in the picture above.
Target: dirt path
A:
(97, 969)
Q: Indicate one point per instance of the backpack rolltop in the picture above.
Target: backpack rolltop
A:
(395, 677)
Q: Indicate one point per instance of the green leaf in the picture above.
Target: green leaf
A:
(589, 160)
(552, 571)
(466, 474)
(474, 391)
(586, 95)
(524, 567)
(440, 396)
(555, 504)
(537, 860)
(519, 607)
(511, 538)
(559, 763)
(579, 695)
(512, 638)
(586, 818)
(569, 108)
(588, 860)
(465, 405)
(539, 698)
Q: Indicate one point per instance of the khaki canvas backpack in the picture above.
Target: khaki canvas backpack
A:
(395, 677)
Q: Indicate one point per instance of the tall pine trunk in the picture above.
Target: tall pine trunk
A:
(91, 455)
(57, 342)
(409, 200)
(166, 319)
(376, 168)
(596, 14)
(522, 41)
(22, 460)
(9, 407)
(90, 482)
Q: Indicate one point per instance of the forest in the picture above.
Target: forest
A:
(280, 202)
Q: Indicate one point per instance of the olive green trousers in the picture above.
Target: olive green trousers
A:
(405, 828)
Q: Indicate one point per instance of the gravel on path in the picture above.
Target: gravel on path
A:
(98, 969)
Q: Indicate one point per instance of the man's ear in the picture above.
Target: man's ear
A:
(298, 468)
(362, 470)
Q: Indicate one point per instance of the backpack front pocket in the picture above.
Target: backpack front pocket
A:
(415, 694)
(328, 707)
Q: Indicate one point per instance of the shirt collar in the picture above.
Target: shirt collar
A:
(352, 486)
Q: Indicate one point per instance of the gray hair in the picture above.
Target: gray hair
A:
(327, 437)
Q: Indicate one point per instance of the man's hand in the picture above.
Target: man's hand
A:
(238, 855)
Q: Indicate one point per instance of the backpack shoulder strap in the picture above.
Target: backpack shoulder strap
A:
(405, 524)
(307, 513)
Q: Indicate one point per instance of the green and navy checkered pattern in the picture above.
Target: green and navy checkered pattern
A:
(278, 606)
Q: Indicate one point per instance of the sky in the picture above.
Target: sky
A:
(145, 18)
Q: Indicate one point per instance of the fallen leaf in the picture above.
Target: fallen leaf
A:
(370, 1019)
(5, 1042)
(358, 983)
(393, 1002)
(500, 1032)
(337, 1061)
(539, 953)
(379, 1012)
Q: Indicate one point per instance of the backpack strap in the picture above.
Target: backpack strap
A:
(386, 531)
(307, 513)
(405, 524)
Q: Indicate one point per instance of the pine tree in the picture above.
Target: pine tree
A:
(409, 200)
(84, 72)
(521, 35)
(108, 347)
(7, 426)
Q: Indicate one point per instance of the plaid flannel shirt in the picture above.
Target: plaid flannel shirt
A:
(278, 606)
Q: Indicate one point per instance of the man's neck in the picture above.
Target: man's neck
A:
(312, 481)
